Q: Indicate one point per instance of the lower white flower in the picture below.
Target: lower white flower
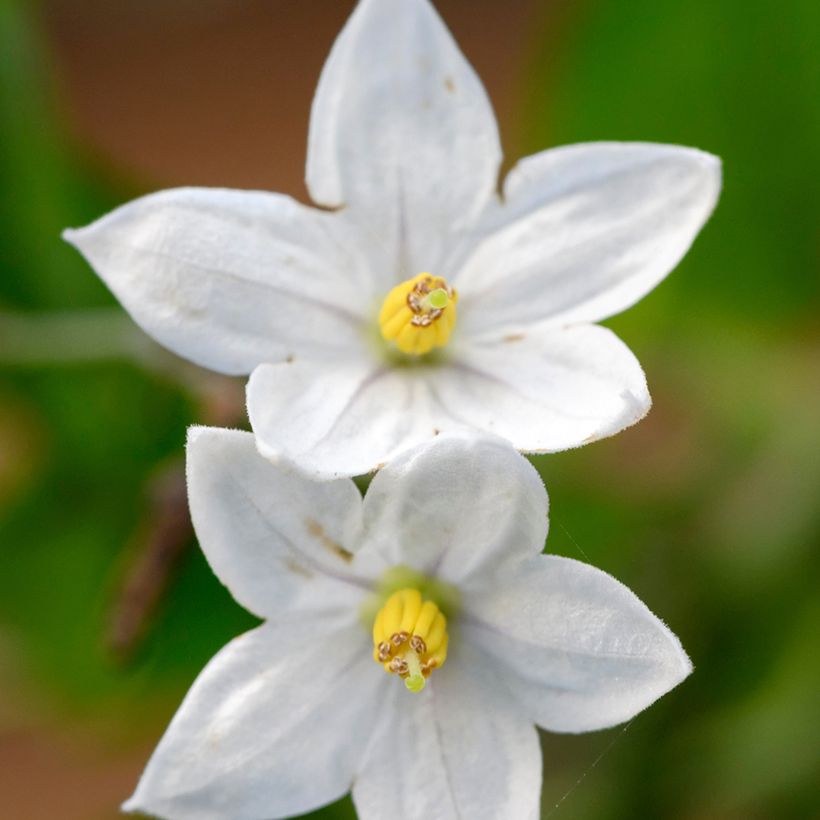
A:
(436, 578)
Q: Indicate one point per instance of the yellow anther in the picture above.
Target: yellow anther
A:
(437, 632)
(440, 655)
(378, 627)
(410, 637)
(391, 616)
(419, 314)
(411, 606)
(426, 617)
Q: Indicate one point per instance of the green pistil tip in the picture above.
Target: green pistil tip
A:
(415, 683)
(439, 298)
(415, 680)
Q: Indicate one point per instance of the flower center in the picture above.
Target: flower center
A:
(410, 637)
(419, 314)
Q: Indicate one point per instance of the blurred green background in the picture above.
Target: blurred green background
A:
(708, 509)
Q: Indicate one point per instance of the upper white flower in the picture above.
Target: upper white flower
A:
(404, 146)
(296, 712)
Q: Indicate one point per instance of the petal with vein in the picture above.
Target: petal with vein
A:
(585, 231)
(402, 133)
(230, 279)
(277, 540)
(545, 389)
(275, 725)
(458, 507)
(459, 749)
(579, 650)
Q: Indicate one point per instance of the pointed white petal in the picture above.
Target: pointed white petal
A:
(279, 542)
(230, 279)
(459, 507)
(576, 647)
(545, 389)
(459, 749)
(343, 419)
(275, 725)
(585, 232)
(402, 132)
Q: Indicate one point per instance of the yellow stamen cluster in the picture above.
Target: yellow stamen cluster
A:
(419, 314)
(410, 637)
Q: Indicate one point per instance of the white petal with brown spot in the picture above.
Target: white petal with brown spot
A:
(404, 147)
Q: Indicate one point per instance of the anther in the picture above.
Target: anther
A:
(410, 638)
(428, 667)
(419, 314)
(398, 666)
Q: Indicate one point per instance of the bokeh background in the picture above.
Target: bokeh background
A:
(709, 509)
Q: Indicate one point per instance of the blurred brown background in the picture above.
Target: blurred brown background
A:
(218, 92)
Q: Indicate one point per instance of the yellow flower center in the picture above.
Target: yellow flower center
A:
(419, 314)
(410, 637)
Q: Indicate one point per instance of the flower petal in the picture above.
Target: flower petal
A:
(402, 133)
(580, 651)
(230, 279)
(545, 389)
(340, 420)
(459, 749)
(275, 725)
(277, 540)
(585, 232)
(459, 507)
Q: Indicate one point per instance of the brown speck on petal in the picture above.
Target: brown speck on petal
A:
(297, 568)
(315, 529)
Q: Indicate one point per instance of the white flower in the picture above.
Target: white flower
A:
(294, 713)
(404, 145)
